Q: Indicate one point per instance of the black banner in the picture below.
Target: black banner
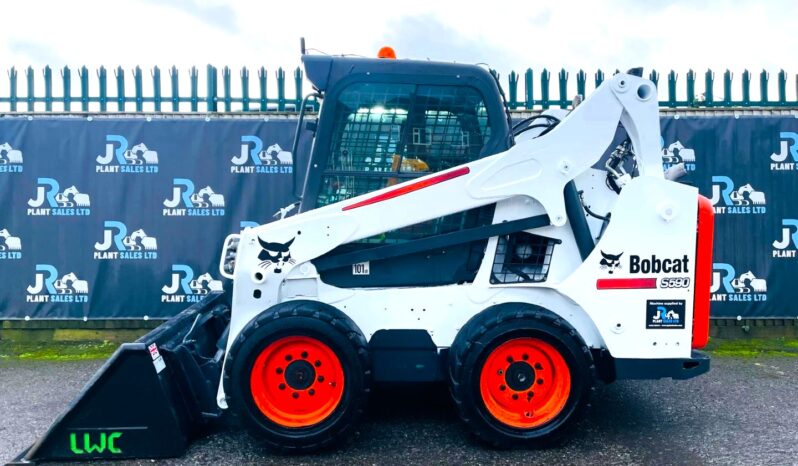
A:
(125, 217)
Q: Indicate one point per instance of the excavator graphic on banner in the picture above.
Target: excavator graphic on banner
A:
(433, 240)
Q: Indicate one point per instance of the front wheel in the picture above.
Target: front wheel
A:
(520, 375)
(298, 376)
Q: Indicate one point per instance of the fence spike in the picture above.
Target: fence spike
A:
(48, 89)
(512, 88)
(102, 77)
(581, 83)
(654, 77)
(174, 77)
(690, 88)
(138, 85)
(297, 88)
(709, 91)
(264, 103)
(746, 82)
(529, 87)
(193, 76)
(782, 87)
(12, 83)
(226, 86)
(83, 74)
(280, 89)
(562, 82)
(120, 89)
(544, 88)
(727, 88)
(31, 98)
(245, 89)
(156, 88)
(211, 96)
(672, 88)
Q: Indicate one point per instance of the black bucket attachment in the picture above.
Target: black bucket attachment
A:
(150, 398)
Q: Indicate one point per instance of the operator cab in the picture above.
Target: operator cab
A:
(386, 121)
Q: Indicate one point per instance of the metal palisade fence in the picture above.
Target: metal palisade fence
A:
(525, 92)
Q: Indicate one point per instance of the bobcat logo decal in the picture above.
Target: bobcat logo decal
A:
(610, 262)
(277, 254)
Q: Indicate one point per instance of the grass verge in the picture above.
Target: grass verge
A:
(56, 351)
(787, 347)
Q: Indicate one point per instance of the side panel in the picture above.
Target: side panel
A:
(644, 265)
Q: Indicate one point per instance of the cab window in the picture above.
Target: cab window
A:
(388, 133)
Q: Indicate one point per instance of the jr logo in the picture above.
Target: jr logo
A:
(788, 152)
(50, 200)
(47, 288)
(727, 286)
(786, 246)
(677, 153)
(10, 159)
(184, 288)
(272, 160)
(186, 202)
(10, 246)
(137, 245)
(743, 200)
(106, 441)
(139, 159)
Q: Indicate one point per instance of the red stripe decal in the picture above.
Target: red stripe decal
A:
(626, 283)
(409, 188)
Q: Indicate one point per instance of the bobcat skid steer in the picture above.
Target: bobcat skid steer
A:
(435, 242)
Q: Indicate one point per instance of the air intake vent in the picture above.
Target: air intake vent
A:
(522, 258)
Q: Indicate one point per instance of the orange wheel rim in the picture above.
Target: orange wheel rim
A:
(297, 381)
(525, 383)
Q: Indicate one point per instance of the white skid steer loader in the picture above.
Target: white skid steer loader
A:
(434, 242)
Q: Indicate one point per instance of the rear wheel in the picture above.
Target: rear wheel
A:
(520, 375)
(298, 376)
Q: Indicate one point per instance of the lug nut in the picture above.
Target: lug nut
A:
(311, 392)
(279, 370)
(304, 354)
(515, 396)
(538, 366)
(525, 357)
(540, 381)
(317, 363)
(281, 386)
(509, 359)
(295, 395)
(321, 378)
(288, 357)
(502, 388)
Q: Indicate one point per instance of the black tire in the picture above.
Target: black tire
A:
(306, 319)
(488, 330)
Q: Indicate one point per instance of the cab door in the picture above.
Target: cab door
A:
(383, 134)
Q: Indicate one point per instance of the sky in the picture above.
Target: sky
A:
(607, 34)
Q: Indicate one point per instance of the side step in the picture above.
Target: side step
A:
(150, 398)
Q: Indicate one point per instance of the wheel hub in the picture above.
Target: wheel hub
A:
(519, 376)
(299, 375)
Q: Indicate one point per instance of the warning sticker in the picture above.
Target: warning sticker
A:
(154, 351)
(157, 359)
